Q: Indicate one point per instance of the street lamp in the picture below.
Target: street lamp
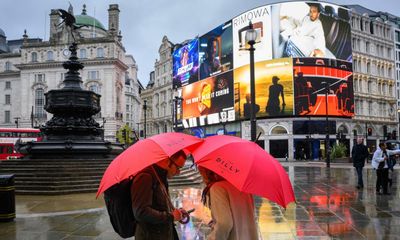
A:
(144, 108)
(327, 140)
(17, 121)
(250, 37)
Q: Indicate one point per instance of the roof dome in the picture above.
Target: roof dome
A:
(83, 19)
(2, 34)
(89, 21)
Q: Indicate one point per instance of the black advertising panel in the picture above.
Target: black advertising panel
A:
(216, 51)
(209, 101)
(185, 64)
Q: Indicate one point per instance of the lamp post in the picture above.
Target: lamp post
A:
(327, 140)
(144, 109)
(17, 121)
(250, 37)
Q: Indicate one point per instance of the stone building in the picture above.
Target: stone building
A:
(30, 67)
(159, 94)
(374, 76)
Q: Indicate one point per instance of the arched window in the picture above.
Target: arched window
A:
(39, 103)
(7, 66)
(34, 57)
(82, 53)
(278, 130)
(95, 88)
(50, 56)
(100, 52)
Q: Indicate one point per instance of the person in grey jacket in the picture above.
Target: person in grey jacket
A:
(379, 162)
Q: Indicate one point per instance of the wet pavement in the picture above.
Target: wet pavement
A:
(328, 207)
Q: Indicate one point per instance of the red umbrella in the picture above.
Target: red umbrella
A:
(143, 154)
(246, 166)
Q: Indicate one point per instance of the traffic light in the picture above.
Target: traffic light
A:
(369, 130)
(124, 134)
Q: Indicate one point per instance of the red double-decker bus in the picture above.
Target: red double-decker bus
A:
(9, 136)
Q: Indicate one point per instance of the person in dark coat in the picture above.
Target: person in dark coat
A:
(152, 208)
(358, 154)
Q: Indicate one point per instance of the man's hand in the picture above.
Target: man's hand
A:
(177, 214)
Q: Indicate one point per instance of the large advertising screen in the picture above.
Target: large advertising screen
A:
(274, 89)
(215, 51)
(208, 101)
(302, 51)
(185, 64)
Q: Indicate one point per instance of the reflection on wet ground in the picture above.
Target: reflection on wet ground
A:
(328, 207)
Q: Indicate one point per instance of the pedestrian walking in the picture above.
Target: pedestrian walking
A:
(232, 211)
(380, 163)
(359, 153)
(151, 205)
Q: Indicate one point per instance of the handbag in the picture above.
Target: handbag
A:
(382, 164)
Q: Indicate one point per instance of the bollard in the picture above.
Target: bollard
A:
(7, 198)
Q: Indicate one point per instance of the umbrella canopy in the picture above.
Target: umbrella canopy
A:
(246, 166)
(143, 154)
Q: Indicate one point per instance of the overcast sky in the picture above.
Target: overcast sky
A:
(144, 22)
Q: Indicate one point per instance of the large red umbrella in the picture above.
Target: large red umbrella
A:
(246, 166)
(143, 154)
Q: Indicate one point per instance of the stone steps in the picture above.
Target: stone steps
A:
(65, 176)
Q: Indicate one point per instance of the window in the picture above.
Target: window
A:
(7, 117)
(8, 99)
(39, 103)
(34, 57)
(369, 86)
(100, 52)
(95, 88)
(8, 85)
(367, 47)
(82, 53)
(368, 67)
(7, 66)
(93, 75)
(371, 28)
(50, 56)
(39, 77)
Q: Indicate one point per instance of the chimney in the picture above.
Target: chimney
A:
(113, 19)
(54, 20)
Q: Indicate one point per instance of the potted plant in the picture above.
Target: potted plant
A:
(338, 153)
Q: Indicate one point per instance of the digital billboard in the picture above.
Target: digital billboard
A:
(208, 101)
(312, 76)
(215, 51)
(274, 89)
(261, 20)
(185, 64)
(311, 29)
(302, 47)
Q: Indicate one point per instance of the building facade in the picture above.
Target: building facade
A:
(374, 76)
(159, 93)
(375, 102)
(31, 67)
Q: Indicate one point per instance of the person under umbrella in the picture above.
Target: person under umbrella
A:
(151, 205)
(232, 211)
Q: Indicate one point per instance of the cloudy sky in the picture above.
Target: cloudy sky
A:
(144, 22)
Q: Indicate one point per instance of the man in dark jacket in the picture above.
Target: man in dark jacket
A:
(359, 153)
(151, 204)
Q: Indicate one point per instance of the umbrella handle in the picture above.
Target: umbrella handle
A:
(185, 215)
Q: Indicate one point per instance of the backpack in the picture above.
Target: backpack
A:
(119, 208)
